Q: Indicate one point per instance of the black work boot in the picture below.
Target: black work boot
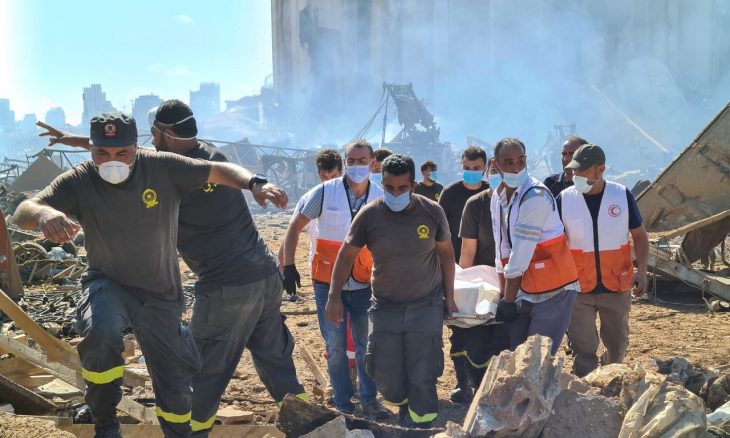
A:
(108, 429)
(463, 392)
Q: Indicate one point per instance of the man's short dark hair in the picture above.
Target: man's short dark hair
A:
(173, 111)
(506, 143)
(328, 159)
(474, 153)
(359, 144)
(382, 153)
(428, 165)
(575, 140)
(397, 164)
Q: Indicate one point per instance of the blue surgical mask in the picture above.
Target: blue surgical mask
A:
(397, 203)
(358, 174)
(377, 178)
(515, 180)
(472, 177)
(434, 176)
(494, 180)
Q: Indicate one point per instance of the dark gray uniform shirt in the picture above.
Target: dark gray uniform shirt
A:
(131, 228)
(217, 237)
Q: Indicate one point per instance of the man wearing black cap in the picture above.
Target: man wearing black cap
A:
(127, 201)
(599, 217)
(238, 292)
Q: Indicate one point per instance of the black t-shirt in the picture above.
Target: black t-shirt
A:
(452, 200)
(432, 192)
(130, 228)
(476, 223)
(217, 237)
(593, 202)
(557, 183)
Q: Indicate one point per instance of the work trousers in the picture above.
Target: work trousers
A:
(549, 318)
(105, 311)
(405, 353)
(225, 321)
(478, 345)
(613, 311)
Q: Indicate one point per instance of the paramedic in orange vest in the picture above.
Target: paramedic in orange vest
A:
(599, 217)
(538, 279)
(334, 204)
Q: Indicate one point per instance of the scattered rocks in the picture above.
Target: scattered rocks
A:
(574, 414)
(717, 392)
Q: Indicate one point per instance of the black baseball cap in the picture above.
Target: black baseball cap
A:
(114, 129)
(586, 156)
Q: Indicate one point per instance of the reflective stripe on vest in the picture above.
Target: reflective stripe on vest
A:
(551, 266)
(611, 235)
(332, 227)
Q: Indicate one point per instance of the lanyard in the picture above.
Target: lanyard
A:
(353, 209)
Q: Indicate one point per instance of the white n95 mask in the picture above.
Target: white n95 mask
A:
(114, 172)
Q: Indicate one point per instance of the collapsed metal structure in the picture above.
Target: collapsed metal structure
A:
(690, 200)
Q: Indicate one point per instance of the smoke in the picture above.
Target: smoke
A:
(501, 68)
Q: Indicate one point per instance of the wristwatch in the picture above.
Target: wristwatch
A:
(257, 179)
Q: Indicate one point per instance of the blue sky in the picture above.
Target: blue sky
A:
(50, 50)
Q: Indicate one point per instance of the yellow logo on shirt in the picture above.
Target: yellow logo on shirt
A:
(437, 196)
(423, 232)
(149, 197)
(209, 188)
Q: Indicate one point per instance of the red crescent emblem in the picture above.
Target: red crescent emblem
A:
(110, 130)
(614, 210)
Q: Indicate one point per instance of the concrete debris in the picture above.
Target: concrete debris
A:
(621, 382)
(574, 413)
(717, 392)
(453, 430)
(520, 389)
(7, 408)
(665, 410)
(337, 428)
(720, 417)
(681, 371)
(232, 415)
(13, 426)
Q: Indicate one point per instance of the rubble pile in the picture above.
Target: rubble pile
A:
(526, 393)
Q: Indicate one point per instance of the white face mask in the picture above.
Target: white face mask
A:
(515, 180)
(114, 172)
(581, 184)
(358, 174)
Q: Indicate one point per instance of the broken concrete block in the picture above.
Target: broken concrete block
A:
(59, 388)
(574, 414)
(231, 415)
(519, 391)
(719, 418)
(359, 433)
(622, 382)
(336, 428)
(665, 410)
(718, 392)
(7, 408)
(453, 430)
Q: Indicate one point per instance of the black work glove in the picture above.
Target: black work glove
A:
(506, 312)
(292, 280)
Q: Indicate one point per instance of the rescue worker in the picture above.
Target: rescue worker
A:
(329, 165)
(127, 201)
(376, 175)
(452, 200)
(429, 187)
(560, 181)
(238, 290)
(334, 203)
(599, 217)
(413, 273)
(538, 278)
(481, 342)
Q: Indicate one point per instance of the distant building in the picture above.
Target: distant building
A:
(95, 103)
(7, 116)
(28, 123)
(141, 106)
(206, 102)
(56, 117)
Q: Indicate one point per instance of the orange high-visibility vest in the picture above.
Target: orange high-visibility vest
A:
(604, 251)
(551, 266)
(332, 227)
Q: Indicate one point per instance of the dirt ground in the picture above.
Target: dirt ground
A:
(12, 426)
(678, 325)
